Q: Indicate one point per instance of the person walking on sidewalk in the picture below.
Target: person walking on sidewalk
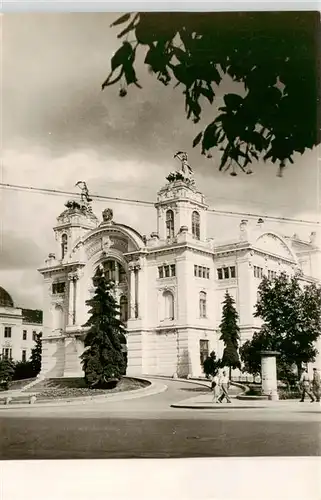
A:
(215, 386)
(316, 385)
(305, 383)
(224, 383)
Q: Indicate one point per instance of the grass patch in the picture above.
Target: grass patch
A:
(19, 384)
(76, 387)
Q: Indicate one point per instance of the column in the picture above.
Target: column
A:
(137, 269)
(132, 291)
(116, 273)
(73, 277)
(75, 298)
(71, 306)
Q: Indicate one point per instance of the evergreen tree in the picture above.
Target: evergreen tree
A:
(103, 359)
(230, 334)
(292, 318)
(211, 365)
(36, 355)
(7, 369)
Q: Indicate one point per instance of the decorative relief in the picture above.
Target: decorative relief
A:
(108, 215)
(134, 266)
(75, 275)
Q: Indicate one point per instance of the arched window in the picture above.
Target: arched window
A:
(170, 224)
(114, 271)
(196, 225)
(64, 245)
(109, 270)
(168, 305)
(123, 303)
(202, 304)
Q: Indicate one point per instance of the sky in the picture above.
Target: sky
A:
(58, 127)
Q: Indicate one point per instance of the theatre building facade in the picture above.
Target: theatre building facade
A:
(170, 286)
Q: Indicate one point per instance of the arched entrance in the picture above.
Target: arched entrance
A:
(116, 272)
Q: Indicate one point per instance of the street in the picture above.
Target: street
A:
(148, 428)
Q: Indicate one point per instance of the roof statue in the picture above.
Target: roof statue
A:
(186, 173)
(84, 195)
(186, 168)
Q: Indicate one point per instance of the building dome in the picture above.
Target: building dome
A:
(5, 298)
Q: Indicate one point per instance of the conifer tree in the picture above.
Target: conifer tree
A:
(36, 355)
(230, 334)
(103, 360)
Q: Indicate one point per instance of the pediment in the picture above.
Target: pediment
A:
(272, 243)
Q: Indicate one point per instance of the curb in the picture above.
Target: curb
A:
(187, 381)
(217, 407)
(152, 389)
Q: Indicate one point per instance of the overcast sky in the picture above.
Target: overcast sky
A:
(58, 128)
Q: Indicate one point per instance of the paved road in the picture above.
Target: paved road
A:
(148, 428)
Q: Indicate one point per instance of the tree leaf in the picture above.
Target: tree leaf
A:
(121, 20)
(121, 56)
(197, 139)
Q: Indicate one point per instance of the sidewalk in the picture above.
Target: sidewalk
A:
(205, 402)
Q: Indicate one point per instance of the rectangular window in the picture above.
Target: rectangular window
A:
(58, 287)
(7, 332)
(226, 273)
(199, 271)
(195, 270)
(7, 353)
(258, 272)
(204, 351)
(24, 335)
(167, 271)
(232, 272)
(24, 356)
(34, 335)
(204, 272)
(207, 273)
(220, 274)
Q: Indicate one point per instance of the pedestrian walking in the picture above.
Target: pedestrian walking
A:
(224, 383)
(215, 386)
(316, 385)
(305, 383)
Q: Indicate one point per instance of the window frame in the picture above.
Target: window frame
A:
(202, 304)
(196, 225)
(8, 332)
(170, 224)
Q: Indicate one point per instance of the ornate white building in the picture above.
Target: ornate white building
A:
(170, 286)
(19, 329)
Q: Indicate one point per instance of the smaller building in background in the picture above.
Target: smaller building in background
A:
(19, 329)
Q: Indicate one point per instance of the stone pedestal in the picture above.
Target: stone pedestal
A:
(73, 367)
(269, 376)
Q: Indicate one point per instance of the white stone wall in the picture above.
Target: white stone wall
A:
(53, 357)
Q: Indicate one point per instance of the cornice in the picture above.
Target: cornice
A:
(67, 267)
(273, 256)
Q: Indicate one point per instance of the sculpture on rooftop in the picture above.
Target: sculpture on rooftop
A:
(186, 173)
(84, 195)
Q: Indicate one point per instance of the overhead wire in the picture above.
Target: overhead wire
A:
(98, 197)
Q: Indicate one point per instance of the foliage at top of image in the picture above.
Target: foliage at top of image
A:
(275, 55)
